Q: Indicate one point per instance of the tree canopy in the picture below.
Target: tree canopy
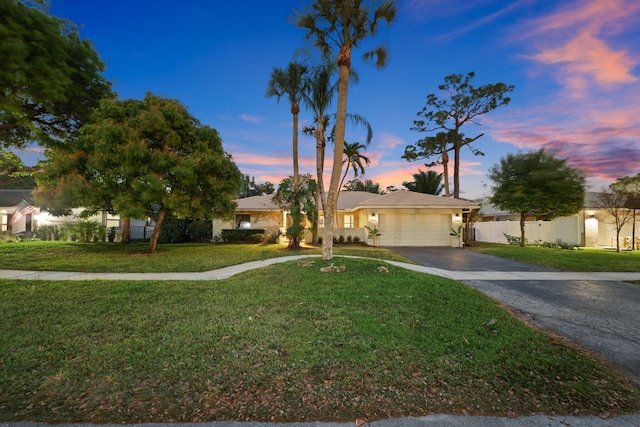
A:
(50, 77)
(429, 182)
(147, 158)
(464, 104)
(536, 183)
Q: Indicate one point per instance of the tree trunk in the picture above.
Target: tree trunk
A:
(153, 242)
(344, 64)
(445, 166)
(522, 238)
(295, 109)
(320, 149)
(125, 237)
(456, 170)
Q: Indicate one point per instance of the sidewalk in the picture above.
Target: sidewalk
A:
(226, 272)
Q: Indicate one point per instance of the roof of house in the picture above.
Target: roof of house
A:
(411, 199)
(351, 200)
(257, 203)
(11, 198)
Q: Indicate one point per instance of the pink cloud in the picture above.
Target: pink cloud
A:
(576, 39)
(587, 58)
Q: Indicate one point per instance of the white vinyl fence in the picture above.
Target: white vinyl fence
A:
(560, 230)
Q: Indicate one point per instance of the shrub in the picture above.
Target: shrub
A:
(515, 240)
(349, 239)
(173, 230)
(199, 231)
(48, 232)
(341, 239)
(559, 245)
(242, 236)
(86, 231)
(356, 239)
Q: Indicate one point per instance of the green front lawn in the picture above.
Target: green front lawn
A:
(284, 343)
(585, 259)
(134, 258)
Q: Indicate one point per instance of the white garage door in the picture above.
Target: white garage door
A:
(413, 229)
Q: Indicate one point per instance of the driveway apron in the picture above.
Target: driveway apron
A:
(601, 316)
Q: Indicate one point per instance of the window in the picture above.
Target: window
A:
(321, 221)
(243, 221)
(348, 221)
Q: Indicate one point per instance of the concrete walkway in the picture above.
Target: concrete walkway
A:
(439, 420)
(226, 272)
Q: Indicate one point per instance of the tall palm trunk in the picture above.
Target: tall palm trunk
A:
(456, 170)
(295, 110)
(321, 199)
(344, 64)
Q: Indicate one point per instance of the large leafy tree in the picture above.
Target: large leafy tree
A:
(614, 202)
(290, 82)
(50, 77)
(630, 187)
(465, 103)
(147, 158)
(535, 184)
(336, 27)
(429, 182)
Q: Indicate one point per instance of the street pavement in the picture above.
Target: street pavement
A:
(596, 310)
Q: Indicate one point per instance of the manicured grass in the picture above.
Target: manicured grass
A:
(586, 259)
(284, 343)
(112, 257)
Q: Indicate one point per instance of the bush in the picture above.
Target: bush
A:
(356, 239)
(349, 239)
(48, 232)
(173, 230)
(86, 231)
(559, 245)
(200, 231)
(515, 240)
(242, 236)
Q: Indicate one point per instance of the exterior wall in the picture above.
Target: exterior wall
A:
(270, 221)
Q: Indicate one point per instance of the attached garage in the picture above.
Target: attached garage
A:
(414, 227)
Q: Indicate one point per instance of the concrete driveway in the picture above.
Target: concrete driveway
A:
(602, 316)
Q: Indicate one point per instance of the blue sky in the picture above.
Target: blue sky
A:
(575, 66)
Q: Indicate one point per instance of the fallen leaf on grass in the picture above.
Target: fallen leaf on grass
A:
(360, 421)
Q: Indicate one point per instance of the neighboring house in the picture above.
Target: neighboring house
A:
(20, 215)
(591, 227)
(403, 218)
(17, 211)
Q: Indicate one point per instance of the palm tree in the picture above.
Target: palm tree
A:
(341, 25)
(289, 82)
(354, 160)
(299, 203)
(425, 182)
(317, 96)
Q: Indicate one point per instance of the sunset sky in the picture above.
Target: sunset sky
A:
(575, 66)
